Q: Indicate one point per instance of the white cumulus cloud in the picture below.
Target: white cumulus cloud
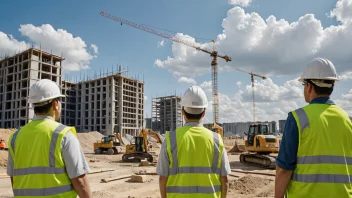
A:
(268, 46)
(161, 43)
(9, 45)
(186, 80)
(59, 42)
(242, 3)
(206, 86)
(95, 48)
(272, 103)
(238, 83)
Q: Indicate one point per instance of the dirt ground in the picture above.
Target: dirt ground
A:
(241, 185)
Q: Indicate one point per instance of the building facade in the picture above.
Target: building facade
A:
(282, 125)
(113, 103)
(110, 104)
(166, 114)
(17, 74)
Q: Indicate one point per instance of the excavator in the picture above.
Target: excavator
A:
(139, 150)
(261, 146)
(109, 144)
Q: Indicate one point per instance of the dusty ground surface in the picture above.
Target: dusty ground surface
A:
(241, 185)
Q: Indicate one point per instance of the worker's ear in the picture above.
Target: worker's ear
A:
(56, 105)
(203, 114)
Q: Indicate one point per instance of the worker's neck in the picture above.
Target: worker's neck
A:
(191, 120)
(314, 96)
(46, 115)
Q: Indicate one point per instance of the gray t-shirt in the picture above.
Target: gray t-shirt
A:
(164, 162)
(73, 157)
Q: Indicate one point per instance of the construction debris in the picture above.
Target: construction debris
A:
(256, 173)
(144, 172)
(101, 171)
(139, 178)
(106, 180)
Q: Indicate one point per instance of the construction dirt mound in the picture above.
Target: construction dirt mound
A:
(5, 134)
(87, 140)
(248, 184)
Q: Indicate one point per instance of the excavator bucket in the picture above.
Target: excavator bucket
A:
(238, 148)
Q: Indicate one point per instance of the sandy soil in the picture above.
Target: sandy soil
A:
(241, 185)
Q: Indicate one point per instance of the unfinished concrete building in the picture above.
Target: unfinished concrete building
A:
(111, 103)
(166, 113)
(17, 74)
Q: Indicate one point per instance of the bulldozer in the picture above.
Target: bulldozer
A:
(139, 150)
(262, 147)
(108, 143)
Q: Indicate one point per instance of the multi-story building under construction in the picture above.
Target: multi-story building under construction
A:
(166, 113)
(110, 103)
(17, 74)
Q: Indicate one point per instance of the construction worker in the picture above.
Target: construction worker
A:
(45, 157)
(193, 161)
(315, 156)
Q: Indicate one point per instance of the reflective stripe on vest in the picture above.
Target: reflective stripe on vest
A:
(193, 189)
(303, 118)
(175, 169)
(43, 192)
(42, 170)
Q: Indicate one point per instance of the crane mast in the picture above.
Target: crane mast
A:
(252, 80)
(214, 54)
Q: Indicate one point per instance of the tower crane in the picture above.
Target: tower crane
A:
(252, 79)
(214, 54)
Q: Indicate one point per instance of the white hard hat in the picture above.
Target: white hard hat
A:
(194, 100)
(43, 91)
(319, 69)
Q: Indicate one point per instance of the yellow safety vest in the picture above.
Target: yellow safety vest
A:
(324, 156)
(195, 155)
(39, 169)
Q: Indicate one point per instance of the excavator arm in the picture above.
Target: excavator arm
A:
(219, 129)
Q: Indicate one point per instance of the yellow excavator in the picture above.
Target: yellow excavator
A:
(262, 147)
(109, 144)
(139, 150)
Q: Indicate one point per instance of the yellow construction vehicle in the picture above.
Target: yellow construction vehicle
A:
(262, 145)
(139, 149)
(218, 129)
(109, 144)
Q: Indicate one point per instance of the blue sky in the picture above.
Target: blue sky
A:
(138, 50)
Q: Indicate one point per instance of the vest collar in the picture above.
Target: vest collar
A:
(42, 117)
(193, 124)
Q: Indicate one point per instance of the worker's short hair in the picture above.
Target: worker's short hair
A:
(45, 108)
(192, 116)
(322, 90)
